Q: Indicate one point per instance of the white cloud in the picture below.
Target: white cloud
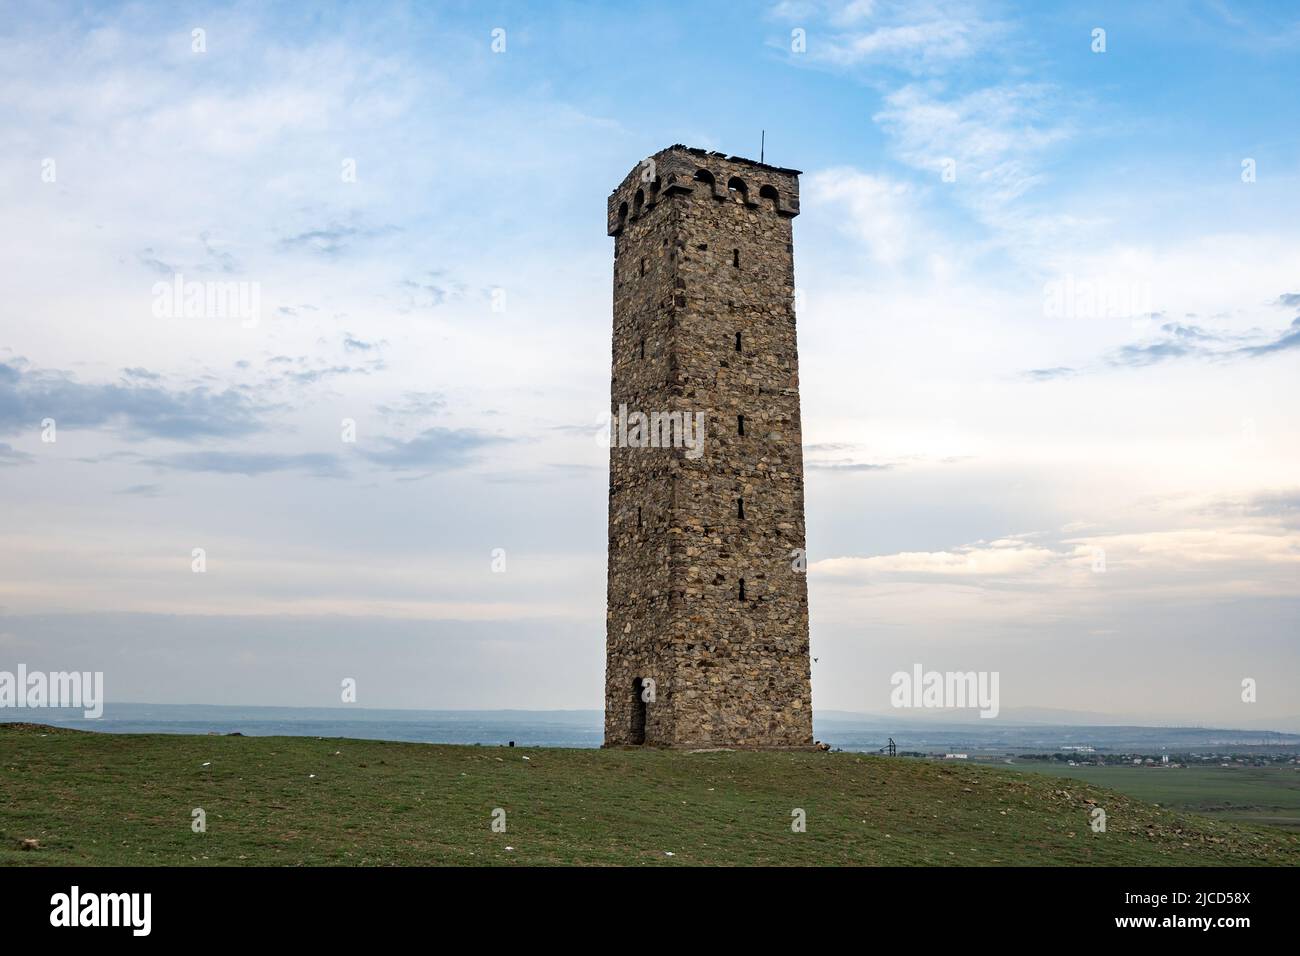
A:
(879, 212)
(853, 11)
(1137, 568)
(994, 135)
(918, 45)
(1001, 559)
(909, 36)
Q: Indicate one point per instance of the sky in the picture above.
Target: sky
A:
(1048, 291)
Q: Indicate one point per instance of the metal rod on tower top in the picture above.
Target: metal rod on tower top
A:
(762, 146)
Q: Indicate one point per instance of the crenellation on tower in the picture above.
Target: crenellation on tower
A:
(707, 614)
(674, 171)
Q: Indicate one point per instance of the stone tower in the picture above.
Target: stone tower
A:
(707, 626)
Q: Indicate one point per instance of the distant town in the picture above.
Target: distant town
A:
(1088, 757)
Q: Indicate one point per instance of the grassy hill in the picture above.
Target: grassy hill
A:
(1255, 795)
(89, 798)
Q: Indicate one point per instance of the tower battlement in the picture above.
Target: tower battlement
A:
(681, 170)
(707, 622)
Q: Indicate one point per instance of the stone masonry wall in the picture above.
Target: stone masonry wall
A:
(696, 265)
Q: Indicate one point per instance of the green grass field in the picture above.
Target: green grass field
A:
(1266, 795)
(89, 798)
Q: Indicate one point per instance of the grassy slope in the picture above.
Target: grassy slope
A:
(1268, 795)
(119, 799)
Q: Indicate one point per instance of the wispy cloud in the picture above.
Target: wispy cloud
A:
(1226, 559)
(141, 374)
(1048, 374)
(314, 375)
(334, 238)
(1183, 341)
(221, 259)
(434, 448)
(414, 405)
(888, 35)
(28, 396)
(1004, 558)
(1287, 340)
(925, 46)
(150, 261)
(431, 290)
(877, 211)
(1281, 505)
(988, 142)
(844, 464)
(993, 137)
(141, 491)
(1176, 341)
(9, 455)
(352, 343)
(252, 464)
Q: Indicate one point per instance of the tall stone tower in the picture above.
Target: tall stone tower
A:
(707, 626)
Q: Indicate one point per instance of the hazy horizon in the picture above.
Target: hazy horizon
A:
(1016, 716)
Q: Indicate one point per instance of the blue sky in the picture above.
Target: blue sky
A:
(972, 438)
